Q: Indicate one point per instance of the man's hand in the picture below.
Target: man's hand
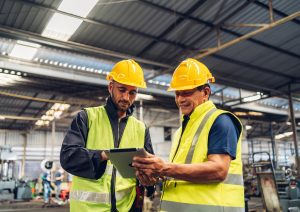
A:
(146, 180)
(104, 156)
(152, 166)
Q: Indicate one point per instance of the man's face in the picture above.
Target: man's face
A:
(188, 100)
(122, 95)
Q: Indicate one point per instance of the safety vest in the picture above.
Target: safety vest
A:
(182, 195)
(94, 195)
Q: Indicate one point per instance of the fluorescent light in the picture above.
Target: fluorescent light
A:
(144, 96)
(283, 135)
(252, 113)
(2, 117)
(248, 127)
(77, 7)
(7, 79)
(61, 27)
(25, 43)
(251, 98)
(24, 50)
(240, 113)
(53, 113)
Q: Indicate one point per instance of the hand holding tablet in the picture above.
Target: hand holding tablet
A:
(122, 160)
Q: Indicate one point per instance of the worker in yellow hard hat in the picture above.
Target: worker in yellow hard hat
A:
(204, 172)
(96, 185)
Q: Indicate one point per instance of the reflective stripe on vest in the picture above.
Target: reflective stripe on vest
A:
(195, 139)
(87, 196)
(176, 206)
(234, 179)
(109, 169)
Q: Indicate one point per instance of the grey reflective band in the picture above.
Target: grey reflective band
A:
(235, 179)
(176, 206)
(190, 154)
(109, 169)
(88, 196)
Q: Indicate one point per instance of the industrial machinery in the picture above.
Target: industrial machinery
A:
(10, 187)
(279, 189)
(7, 178)
(266, 182)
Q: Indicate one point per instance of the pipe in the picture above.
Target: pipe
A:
(248, 35)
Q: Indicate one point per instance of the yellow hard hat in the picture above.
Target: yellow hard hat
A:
(128, 72)
(190, 74)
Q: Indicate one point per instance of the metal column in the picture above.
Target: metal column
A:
(24, 155)
(53, 140)
(273, 145)
(293, 121)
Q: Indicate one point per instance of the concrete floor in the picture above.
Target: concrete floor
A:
(254, 204)
(33, 205)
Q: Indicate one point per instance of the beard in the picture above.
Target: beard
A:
(122, 105)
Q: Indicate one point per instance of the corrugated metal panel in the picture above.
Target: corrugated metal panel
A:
(214, 11)
(40, 139)
(23, 16)
(176, 6)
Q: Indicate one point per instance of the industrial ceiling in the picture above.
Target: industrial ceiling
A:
(251, 46)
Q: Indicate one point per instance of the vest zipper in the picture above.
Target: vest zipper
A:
(113, 177)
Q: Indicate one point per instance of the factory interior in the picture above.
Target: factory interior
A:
(55, 56)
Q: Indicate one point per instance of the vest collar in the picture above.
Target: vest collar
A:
(202, 109)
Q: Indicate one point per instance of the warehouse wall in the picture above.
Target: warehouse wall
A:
(39, 146)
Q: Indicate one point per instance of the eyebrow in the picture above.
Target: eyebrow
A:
(134, 90)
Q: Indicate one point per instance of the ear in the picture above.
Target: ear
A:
(110, 87)
(207, 92)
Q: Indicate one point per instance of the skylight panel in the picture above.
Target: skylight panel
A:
(62, 26)
(77, 7)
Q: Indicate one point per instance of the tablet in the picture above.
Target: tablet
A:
(122, 159)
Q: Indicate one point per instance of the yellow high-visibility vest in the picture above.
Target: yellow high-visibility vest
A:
(94, 195)
(179, 195)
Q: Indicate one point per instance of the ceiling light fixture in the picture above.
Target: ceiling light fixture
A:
(24, 50)
(141, 96)
(54, 112)
(252, 98)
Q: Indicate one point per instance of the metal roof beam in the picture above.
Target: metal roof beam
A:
(63, 74)
(26, 118)
(171, 27)
(248, 35)
(101, 23)
(209, 24)
(73, 46)
(23, 110)
(256, 68)
(278, 12)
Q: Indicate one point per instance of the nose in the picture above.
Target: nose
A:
(126, 95)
